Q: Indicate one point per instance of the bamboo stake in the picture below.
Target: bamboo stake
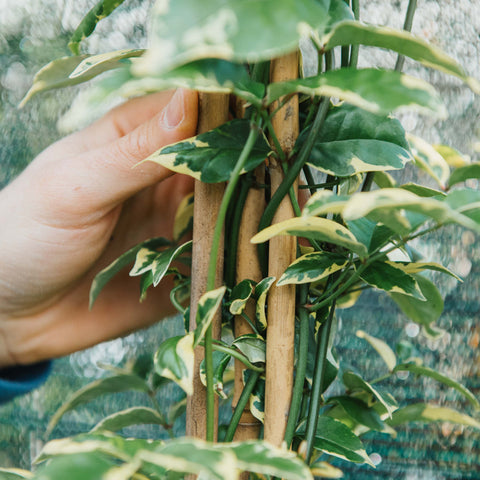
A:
(248, 266)
(282, 252)
(213, 111)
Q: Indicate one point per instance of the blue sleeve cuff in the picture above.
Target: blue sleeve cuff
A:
(18, 380)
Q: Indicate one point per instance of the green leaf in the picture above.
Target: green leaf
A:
(320, 229)
(100, 11)
(422, 191)
(429, 160)
(103, 277)
(425, 313)
(466, 201)
(388, 201)
(382, 348)
(174, 360)
(220, 363)
(81, 466)
(243, 31)
(354, 382)
(211, 156)
(206, 309)
(261, 291)
(157, 262)
(355, 141)
(312, 267)
(265, 459)
(377, 91)
(464, 173)
(439, 377)
(69, 71)
(400, 41)
(14, 474)
(338, 11)
(252, 346)
(129, 417)
(360, 412)
(416, 267)
(189, 455)
(240, 295)
(323, 202)
(424, 412)
(335, 438)
(114, 384)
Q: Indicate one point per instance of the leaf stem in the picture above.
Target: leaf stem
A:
(290, 177)
(220, 347)
(407, 26)
(318, 381)
(242, 403)
(212, 267)
(355, 48)
(297, 394)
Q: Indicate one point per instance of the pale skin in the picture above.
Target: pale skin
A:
(79, 205)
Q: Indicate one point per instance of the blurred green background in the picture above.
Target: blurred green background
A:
(34, 32)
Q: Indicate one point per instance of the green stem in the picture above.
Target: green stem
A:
(297, 395)
(290, 177)
(173, 297)
(250, 322)
(412, 5)
(355, 48)
(242, 403)
(318, 382)
(315, 186)
(231, 250)
(212, 268)
(219, 347)
(311, 185)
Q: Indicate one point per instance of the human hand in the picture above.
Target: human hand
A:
(77, 207)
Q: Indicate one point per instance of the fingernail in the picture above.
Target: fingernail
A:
(174, 112)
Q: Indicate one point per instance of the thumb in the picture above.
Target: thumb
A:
(98, 180)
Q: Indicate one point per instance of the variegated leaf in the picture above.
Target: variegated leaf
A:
(220, 363)
(354, 382)
(429, 160)
(183, 217)
(439, 377)
(174, 360)
(323, 469)
(265, 459)
(227, 29)
(335, 438)
(257, 398)
(207, 307)
(400, 41)
(190, 455)
(252, 346)
(211, 156)
(69, 71)
(129, 417)
(424, 412)
(355, 141)
(103, 277)
(261, 291)
(240, 296)
(453, 157)
(157, 262)
(382, 348)
(312, 267)
(323, 202)
(462, 174)
(14, 474)
(466, 201)
(416, 267)
(391, 278)
(370, 89)
(425, 313)
(100, 11)
(320, 229)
